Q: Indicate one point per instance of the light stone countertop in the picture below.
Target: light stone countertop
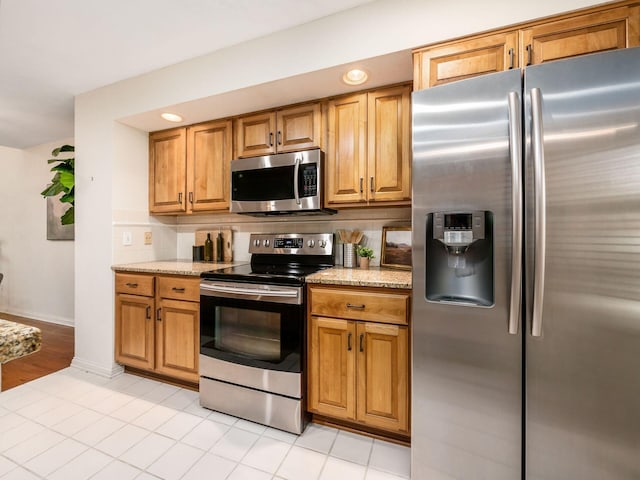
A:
(174, 267)
(372, 277)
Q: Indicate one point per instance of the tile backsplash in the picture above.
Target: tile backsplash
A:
(173, 237)
(369, 221)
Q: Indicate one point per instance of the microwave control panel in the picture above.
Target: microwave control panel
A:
(309, 174)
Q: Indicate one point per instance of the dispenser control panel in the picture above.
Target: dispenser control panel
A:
(458, 229)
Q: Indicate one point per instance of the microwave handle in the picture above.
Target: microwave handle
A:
(296, 170)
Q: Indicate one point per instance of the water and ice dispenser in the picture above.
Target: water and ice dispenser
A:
(459, 257)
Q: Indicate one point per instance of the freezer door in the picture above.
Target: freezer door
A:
(466, 365)
(583, 268)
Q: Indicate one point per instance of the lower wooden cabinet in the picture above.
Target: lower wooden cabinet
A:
(158, 324)
(358, 369)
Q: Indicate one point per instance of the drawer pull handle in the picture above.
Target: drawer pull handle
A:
(158, 317)
(178, 289)
(148, 312)
(361, 338)
(356, 307)
(349, 342)
(132, 285)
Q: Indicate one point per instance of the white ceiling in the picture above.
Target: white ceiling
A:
(52, 50)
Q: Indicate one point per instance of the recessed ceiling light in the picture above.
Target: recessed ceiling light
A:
(171, 117)
(355, 76)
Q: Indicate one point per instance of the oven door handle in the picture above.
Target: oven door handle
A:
(250, 293)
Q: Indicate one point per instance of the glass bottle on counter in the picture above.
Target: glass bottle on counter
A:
(208, 249)
(219, 247)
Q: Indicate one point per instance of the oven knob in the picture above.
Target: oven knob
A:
(323, 243)
(311, 243)
(256, 242)
(266, 242)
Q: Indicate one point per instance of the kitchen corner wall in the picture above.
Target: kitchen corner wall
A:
(38, 273)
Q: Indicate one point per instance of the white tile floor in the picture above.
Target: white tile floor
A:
(74, 425)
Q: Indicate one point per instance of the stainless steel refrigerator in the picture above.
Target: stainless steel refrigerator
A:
(526, 273)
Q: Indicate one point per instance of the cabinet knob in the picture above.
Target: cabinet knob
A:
(148, 314)
(132, 285)
(361, 339)
(349, 342)
(158, 317)
(178, 289)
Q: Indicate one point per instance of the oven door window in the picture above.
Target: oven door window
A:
(258, 334)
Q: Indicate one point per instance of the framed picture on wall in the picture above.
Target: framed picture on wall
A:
(55, 229)
(396, 247)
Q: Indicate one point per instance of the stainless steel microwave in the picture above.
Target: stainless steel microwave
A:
(281, 184)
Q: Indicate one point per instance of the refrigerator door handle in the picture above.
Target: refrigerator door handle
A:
(515, 150)
(540, 215)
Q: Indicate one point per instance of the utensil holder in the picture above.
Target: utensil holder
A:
(349, 255)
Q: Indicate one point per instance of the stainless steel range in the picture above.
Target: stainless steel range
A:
(252, 330)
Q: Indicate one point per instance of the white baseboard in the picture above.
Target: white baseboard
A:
(91, 367)
(67, 322)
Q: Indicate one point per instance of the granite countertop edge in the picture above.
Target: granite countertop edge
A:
(173, 267)
(372, 277)
(338, 275)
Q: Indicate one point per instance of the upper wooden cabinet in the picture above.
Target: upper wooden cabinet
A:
(167, 171)
(189, 168)
(463, 59)
(209, 152)
(284, 130)
(564, 36)
(368, 154)
(595, 32)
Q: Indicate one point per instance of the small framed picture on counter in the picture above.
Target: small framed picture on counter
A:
(396, 247)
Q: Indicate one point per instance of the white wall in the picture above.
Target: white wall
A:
(368, 31)
(38, 273)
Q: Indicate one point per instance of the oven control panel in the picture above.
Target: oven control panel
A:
(292, 243)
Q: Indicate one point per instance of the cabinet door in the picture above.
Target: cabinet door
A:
(464, 59)
(346, 164)
(178, 339)
(389, 134)
(298, 128)
(383, 371)
(209, 151)
(255, 135)
(595, 32)
(167, 171)
(332, 384)
(134, 331)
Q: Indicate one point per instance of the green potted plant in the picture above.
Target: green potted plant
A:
(63, 182)
(365, 254)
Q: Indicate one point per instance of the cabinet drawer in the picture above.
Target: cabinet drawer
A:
(134, 284)
(179, 288)
(360, 305)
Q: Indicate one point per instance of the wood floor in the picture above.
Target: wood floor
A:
(55, 354)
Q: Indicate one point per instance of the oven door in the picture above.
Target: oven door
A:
(259, 326)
